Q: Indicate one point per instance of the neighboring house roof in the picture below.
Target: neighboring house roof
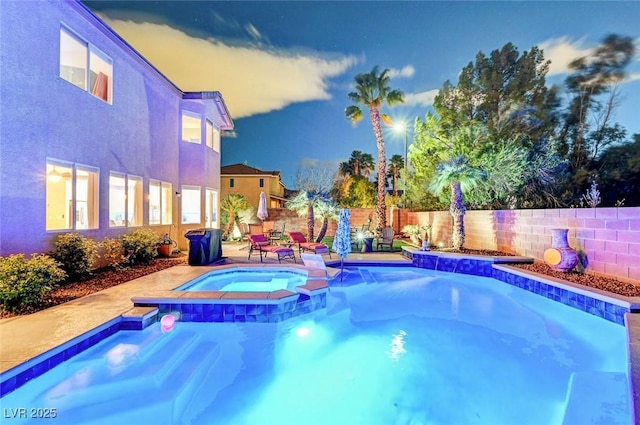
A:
(245, 170)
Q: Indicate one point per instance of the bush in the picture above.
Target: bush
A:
(24, 282)
(75, 253)
(113, 252)
(140, 246)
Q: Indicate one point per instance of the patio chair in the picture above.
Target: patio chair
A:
(276, 235)
(386, 238)
(260, 244)
(297, 238)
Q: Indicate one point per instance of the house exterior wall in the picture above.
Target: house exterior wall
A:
(45, 117)
(249, 187)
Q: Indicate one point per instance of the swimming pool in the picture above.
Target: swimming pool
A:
(242, 280)
(409, 346)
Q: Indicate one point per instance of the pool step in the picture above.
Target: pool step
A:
(168, 362)
(597, 397)
(368, 277)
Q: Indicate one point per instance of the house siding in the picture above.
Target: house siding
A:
(44, 116)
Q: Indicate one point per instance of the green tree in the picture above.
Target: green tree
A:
(372, 91)
(506, 94)
(456, 175)
(231, 205)
(588, 126)
(619, 174)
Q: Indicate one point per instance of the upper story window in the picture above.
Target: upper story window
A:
(76, 57)
(191, 127)
(232, 182)
(72, 196)
(213, 136)
(261, 182)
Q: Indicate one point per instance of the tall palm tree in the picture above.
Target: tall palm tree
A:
(232, 204)
(396, 163)
(458, 176)
(372, 91)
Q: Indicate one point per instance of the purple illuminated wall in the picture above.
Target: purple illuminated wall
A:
(44, 116)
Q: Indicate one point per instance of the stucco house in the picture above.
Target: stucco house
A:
(249, 182)
(93, 138)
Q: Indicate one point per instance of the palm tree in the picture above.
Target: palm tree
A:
(373, 91)
(366, 164)
(395, 165)
(232, 204)
(457, 175)
(325, 211)
(304, 203)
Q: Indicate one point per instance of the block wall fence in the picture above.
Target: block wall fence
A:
(607, 238)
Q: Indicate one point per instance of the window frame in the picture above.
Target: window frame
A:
(195, 116)
(184, 197)
(89, 50)
(76, 209)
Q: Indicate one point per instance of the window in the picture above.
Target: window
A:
(160, 202)
(211, 209)
(216, 139)
(125, 200)
(72, 196)
(191, 127)
(117, 200)
(209, 134)
(261, 182)
(232, 182)
(191, 205)
(76, 56)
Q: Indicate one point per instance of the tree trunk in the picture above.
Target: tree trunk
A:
(457, 210)
(323, 229)
(311, 222)
(381, 207)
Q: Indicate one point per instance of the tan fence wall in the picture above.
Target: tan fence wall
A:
(609, 238)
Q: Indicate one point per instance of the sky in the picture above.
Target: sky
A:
(284, 68)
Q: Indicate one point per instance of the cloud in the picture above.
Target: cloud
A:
(561, 52)
(252, 79)
(405, 72)
(424, 98)
(632, 77)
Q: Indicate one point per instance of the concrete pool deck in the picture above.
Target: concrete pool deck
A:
(22, 338)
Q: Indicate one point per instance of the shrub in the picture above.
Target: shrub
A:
(75, 253)
(113, 252)
(23, 282)
(140, 246)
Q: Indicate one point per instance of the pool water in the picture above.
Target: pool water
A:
(409, 346)
(243, 281)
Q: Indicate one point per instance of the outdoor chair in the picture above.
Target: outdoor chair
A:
(297, 238)
(260, 244)
(386, 238)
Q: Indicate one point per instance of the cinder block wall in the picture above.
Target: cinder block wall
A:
(608, 237)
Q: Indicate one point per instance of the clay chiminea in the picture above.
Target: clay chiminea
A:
(560, 256)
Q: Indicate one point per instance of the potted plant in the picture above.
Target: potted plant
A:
(165, 246)
(417, 233)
